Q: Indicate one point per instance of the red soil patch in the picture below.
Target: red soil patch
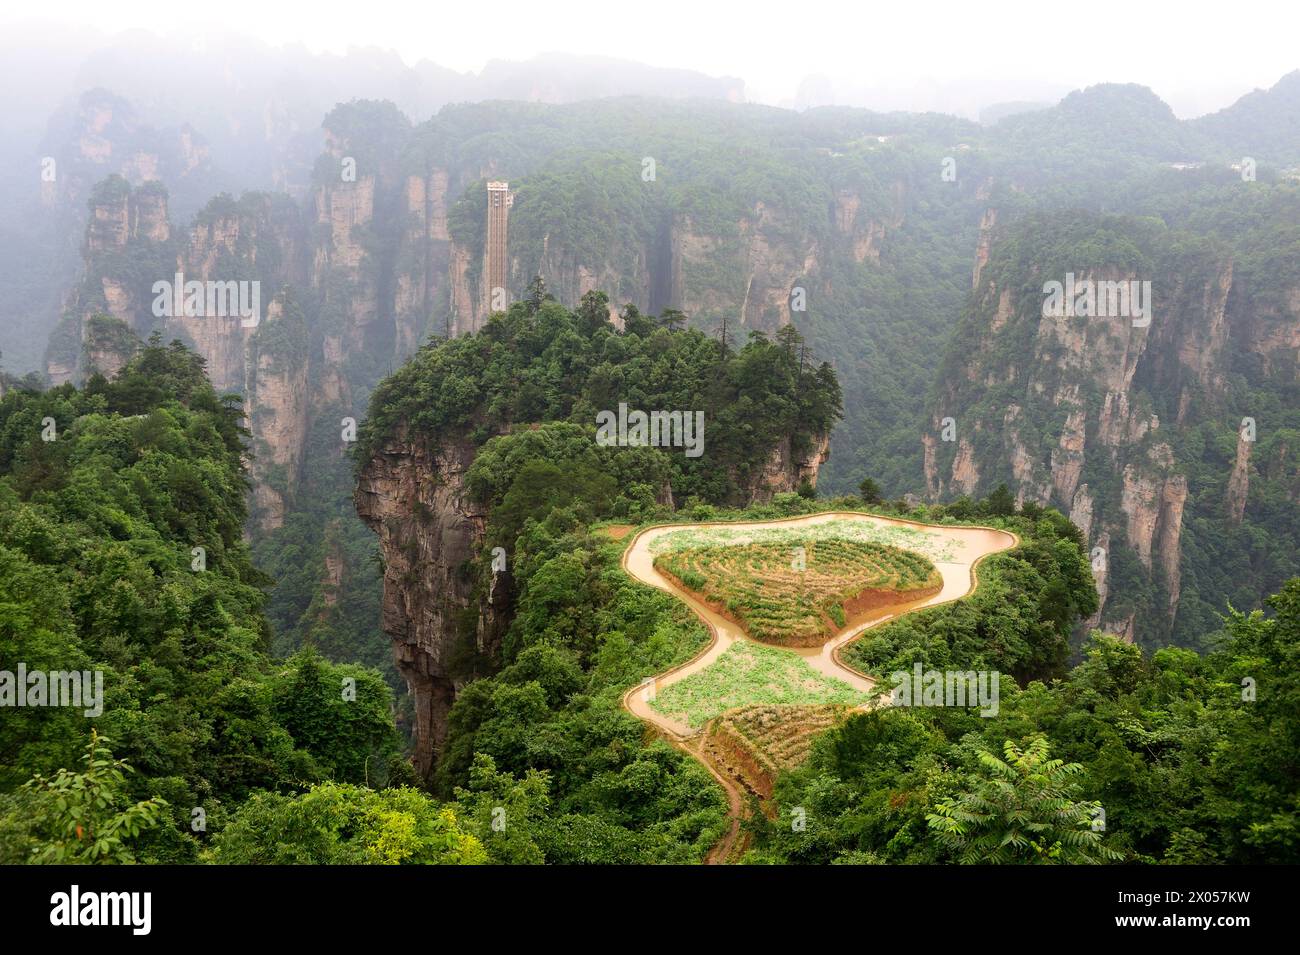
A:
(855, 608)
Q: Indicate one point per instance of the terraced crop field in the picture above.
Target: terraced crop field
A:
(755, 744)
(798, 590)
(749, 710)
(780, 736)
(748, 675)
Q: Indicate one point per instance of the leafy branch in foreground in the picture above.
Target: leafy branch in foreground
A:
(1022, 811)
(79, 814)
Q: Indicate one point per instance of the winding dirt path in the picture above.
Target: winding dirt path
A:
(956, 551)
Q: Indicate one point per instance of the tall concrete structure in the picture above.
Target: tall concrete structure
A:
(495, 269)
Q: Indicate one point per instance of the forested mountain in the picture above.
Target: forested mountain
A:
(396, 481)
(861, 229)
(123, 505)
(241, 116)
(1265, 123)
(231, 757)
(1169, 444)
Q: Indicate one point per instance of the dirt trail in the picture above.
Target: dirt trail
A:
(962, 548)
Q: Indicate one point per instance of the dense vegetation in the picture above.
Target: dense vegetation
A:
(852, 198)
(123, 508)
(99, 574)
(1019, 619)
(1191, 759)
(751, 675)
(263, 711)
(540, 362)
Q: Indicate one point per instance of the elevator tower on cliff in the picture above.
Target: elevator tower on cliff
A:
(495, 270)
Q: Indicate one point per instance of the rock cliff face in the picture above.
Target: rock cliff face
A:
(103, 134)
(747, 272)
(109, 344)
(988, 222)
(130, 244)
(434, 288)
(784, 470)
(277, 406)
(624, 274)
(763, 261)
(1068, 410)
(412, 495)
(1078, 389)
(427, 245)
(122, 221)
(382, 259)
(1239, 481)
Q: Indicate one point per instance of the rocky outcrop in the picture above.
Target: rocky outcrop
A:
(988, 222)
(277, 405)
(341, 266)
(109, 344)
(130, 246)
(1239, 480)
(1068, 456)
(110, 224)
(1083, 409)
(785, 470)
(930, 464)
(965, 476)
(1169, 535)
(125, 227)
(1152, 504)
(421, 287)
(332, 581)
(623, 274)
(466, 313)
(149, 215)
(865, 234)
(412, 495)
(1030, 483)
(120, 215)
(1081, 513)
(244, 242)
(1271, 333)
(764, 261)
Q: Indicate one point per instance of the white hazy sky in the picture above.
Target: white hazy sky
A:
(1197, 56)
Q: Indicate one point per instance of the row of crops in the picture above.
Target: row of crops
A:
(779, 737)
(793, 590)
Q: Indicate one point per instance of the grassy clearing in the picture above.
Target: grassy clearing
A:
(796, 590)
(750, 675)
